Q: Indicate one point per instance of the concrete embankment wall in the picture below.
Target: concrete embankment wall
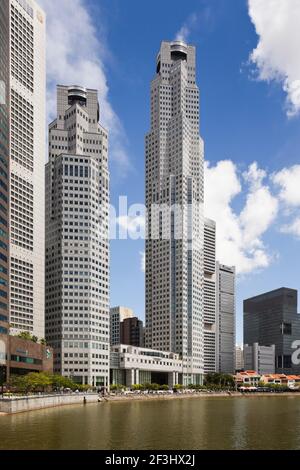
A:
(22, 404)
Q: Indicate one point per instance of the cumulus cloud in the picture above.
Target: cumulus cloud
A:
(293, 228)
(277, 53)
(76, 55)
(287, 180)
(240, 233)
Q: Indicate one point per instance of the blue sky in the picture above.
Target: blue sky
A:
(249, 113)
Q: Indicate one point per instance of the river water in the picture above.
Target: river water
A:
(189, 423)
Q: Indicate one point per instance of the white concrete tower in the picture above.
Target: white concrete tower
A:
(174, 177)
(209, 296)
(27, 97)
(77, 238)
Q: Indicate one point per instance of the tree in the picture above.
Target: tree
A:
(58, 381)
(219, 380)
(164, 387)
(38, 381)
(27, 336)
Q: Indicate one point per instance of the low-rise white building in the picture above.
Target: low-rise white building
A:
(132, 365)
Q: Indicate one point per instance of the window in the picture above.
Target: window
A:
(286, 328)
(287, 362)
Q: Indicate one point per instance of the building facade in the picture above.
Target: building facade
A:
(260, 358)
(132, 332)
(23, 82)
(209, 296)
(4, 165)
(19, 357)
(77, 238)
(174, 201)
(132, 365)
(272, 318)
(225, 307)
(117, 315)
(239, 358)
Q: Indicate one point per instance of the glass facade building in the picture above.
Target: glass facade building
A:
(272, 318)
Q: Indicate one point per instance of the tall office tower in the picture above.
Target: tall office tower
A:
(225, 312)
(209, 296)
(77, 238)
(272, 319)
(4, 165)
(117, 315)
(174, 200)
(23, 157)
(132, 332)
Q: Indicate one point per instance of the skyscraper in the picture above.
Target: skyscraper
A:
(22, 162)
(209, 296)
(4, 166)
(132, 332)
(117, 315)
(225, 316)
(77, 238)
(174, 199)
(272, 319)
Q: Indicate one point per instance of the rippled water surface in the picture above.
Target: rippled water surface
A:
(191, 423)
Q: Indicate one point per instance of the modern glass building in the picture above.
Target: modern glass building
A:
(226, 318)
(272, 319)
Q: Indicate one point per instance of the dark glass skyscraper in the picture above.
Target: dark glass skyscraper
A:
(272, 318)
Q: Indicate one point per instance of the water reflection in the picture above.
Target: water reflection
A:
(193, 423)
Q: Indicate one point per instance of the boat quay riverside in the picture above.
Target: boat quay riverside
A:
(14, 405)
(11, 405)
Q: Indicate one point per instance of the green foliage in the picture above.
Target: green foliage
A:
(138, 387)
(27, 336)
(219, 381)
(116, 387)
(41, 382)
(196, 387)
(178, 387)
(58, 382)
(164, 387)
(262, 384)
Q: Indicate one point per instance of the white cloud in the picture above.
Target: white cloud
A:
(76, 55)
(288, 179)
(185, 30)
(293, 228)
(277, 53)
(240, 234)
